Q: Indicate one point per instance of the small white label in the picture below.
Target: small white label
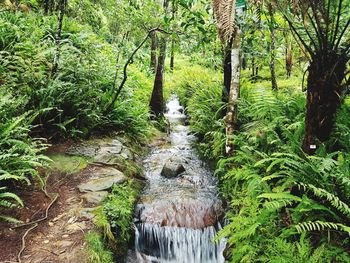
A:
(313, 146)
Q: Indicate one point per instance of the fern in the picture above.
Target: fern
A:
(321, 225)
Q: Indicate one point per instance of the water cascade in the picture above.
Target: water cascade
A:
(177, 217)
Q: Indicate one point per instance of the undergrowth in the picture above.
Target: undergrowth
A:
(283, 206)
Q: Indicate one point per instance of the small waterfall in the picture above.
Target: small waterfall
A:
(176, 219)
(178, 244)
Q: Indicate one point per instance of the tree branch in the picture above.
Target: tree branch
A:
(130, 59)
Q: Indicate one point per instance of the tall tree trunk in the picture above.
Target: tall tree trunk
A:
(232, 107)
(272, 47)
(289, 55)
(326, 73)
(227, 72)
(62, 8)
(46, 6)
(172, 51)
(157, 100)
(227, 77)
(172, 54)
(244, 62)
(154, 46)
(253, 69)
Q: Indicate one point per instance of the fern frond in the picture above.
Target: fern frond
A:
(321, 225)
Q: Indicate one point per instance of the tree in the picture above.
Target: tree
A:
(225, 11)
(154, 46)
(321, 26)
(157, 99)
(272, 25)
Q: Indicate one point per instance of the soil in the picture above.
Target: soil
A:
(59, 238)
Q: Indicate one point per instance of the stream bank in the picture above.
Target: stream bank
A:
(85, 177)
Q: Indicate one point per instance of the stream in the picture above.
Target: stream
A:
(176, 218)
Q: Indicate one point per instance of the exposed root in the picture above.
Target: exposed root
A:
(24, 242)
(41, 219)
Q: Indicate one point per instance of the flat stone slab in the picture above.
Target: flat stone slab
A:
(95, 197)
(102, 184)
(96, 147)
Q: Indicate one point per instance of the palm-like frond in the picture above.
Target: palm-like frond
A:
(224, 11)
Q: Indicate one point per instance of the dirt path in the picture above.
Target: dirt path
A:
(60, 238)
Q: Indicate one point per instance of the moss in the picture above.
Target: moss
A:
(114, 216)
(67, 164)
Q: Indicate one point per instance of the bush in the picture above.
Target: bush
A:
(20, 155)
(73, 102)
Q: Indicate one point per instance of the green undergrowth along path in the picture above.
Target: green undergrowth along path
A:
(283, 206)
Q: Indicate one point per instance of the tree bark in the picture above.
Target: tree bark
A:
(62, 8)
(172, 51)
(232, 107)
(172, 54)
(154, 46)
(289, 55)
(157, 100)
(46, 6)
(227, 72)
(272, 48)
(326, 73)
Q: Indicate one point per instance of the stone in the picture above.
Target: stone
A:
(95, 197)
(86, 213)
(173, 167)
(95, 148)
(127, 154)
(105, 172)
(102, 184)
(84, 149)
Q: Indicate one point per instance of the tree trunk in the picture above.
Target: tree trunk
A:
(289, 55)
(62, 8)
(244, 62)
(232, 107)
(172, 54)
(227, 72)
(154, 45)
(272, 48)
(46, 6)
(157, 100)
(326, 73)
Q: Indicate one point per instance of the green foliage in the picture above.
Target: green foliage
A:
(199, 90)
(72, 102)
(96, 250)
(275, 191)
(20, 155)
(119, 208)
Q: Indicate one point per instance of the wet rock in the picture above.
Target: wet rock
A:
(127, 154)
(103, 183)
(173, 167)
(193, 214)
(105, 172)
(95, 197)
(87, 149)
(99, 148)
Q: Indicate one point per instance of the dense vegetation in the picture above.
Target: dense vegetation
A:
(282, 151)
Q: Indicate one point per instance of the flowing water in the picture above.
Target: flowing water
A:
(177, 218)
